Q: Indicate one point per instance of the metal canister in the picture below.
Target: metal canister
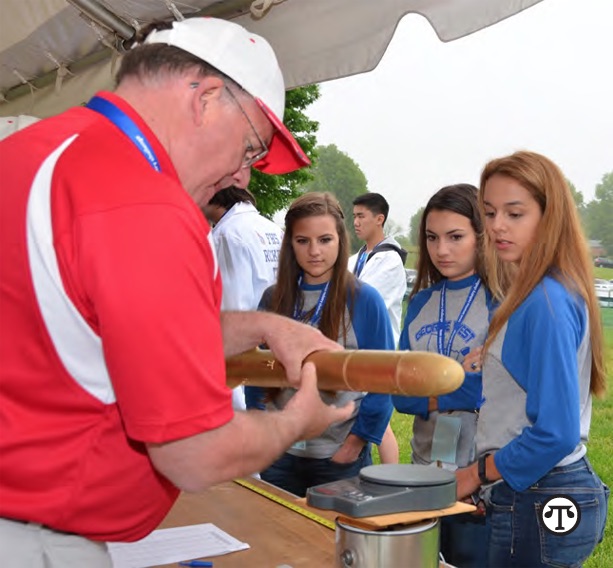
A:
(407, 546)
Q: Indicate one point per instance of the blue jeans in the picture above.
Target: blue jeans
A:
(464, 540)
(296, 474)
(518, 540)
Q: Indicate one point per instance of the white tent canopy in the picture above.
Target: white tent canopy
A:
(57, 53)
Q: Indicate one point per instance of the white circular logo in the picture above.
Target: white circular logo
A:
(560, 514)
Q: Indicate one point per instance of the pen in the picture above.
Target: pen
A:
(204, 563)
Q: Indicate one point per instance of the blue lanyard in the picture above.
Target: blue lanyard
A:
(299, 315)
(442, 317)
(359, 265)
(122, 121)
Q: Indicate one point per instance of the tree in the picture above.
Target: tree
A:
(577, 195)
(393, 229)
(600, 213)
(414, 226)
(404, 242)
(336, 172)
(276, 192)
(579, 202)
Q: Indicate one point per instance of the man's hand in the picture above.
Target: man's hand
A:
(292, 342)
(250, 442)
(307, 407)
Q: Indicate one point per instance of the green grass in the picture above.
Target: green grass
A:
(600, 448)
(605, 273)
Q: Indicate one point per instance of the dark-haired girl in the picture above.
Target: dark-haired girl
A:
(448, 313)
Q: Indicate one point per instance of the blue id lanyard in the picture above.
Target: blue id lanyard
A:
(359, 265)
(442, 317)
(319, 308)
(127, 126)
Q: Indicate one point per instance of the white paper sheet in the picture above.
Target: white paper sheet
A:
(166, 546)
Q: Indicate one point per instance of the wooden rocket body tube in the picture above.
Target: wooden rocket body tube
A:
(411, 373)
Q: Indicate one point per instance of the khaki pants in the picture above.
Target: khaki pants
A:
(30, 545)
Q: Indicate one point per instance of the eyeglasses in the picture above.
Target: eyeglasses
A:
(250, 158)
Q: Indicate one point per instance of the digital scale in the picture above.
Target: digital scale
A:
(386, 489)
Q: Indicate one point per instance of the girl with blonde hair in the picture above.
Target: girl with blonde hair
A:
(543, 362)
(314, 286)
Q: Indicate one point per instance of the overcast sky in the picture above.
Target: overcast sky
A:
(433, 113)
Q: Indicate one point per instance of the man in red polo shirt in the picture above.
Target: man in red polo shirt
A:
(113, 394)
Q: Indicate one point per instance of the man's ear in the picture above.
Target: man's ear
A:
(207, 91)
(380, 219)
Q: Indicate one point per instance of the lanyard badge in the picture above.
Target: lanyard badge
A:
(360, 262)
(122, 121)
(319, 308)
(442, 317)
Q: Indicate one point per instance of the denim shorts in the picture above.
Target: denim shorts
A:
(517, 537)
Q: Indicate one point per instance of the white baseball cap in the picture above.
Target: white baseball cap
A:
(248, 60)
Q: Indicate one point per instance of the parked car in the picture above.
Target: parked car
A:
(601, 285)
(601, 262)
(604, 292)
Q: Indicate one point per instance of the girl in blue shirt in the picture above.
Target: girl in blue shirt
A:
(314, 286)
(543, 362)
(448, 314)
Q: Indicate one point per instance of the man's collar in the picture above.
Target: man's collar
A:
(370, 249)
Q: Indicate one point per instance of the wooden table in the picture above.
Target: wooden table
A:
(277, 535)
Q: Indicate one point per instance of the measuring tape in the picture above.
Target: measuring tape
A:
(296, 508)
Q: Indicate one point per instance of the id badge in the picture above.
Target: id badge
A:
(445, 439)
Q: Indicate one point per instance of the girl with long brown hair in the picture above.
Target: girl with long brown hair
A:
(314, 286)
(543, 362)
(448, 313)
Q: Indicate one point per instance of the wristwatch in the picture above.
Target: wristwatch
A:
(481, 469)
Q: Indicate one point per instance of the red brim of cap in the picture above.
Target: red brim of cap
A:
(284, 154)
